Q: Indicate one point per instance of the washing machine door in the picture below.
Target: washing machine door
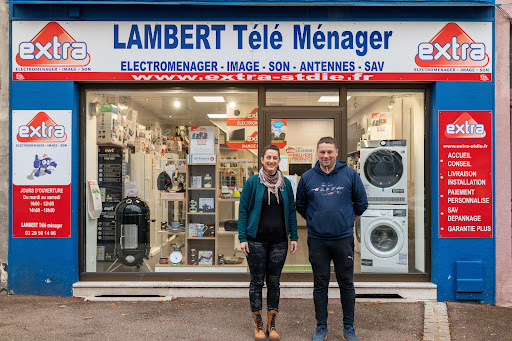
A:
(384, 238)
(383, 167)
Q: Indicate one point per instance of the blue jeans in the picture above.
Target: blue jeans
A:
(341, 252)
(266, 261)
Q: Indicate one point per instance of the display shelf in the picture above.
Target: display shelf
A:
(200, 238)
(221, 230)
(171, 232)
(202, 164)
(202, 189)
(161, 199)
(201, 213)
(200, 268)
(228, 200)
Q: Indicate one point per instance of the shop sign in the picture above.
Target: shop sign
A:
(298, 154)
(193, 158)
(465, 174)
(242, 128)
(252, 51)
(41, 173)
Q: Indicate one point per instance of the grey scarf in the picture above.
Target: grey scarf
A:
(272, 182)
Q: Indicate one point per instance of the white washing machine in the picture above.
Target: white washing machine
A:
(384, 171)
(384, 239)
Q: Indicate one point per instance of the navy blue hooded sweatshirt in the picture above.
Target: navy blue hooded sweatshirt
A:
(329, 202)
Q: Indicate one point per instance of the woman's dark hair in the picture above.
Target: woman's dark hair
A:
(271, 147)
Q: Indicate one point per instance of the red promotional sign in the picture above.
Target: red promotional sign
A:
(41, 173)
(465, 174)
(41, 211)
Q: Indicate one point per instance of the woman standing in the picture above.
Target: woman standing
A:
(265, 219)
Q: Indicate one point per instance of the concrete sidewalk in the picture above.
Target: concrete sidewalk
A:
(57, 318)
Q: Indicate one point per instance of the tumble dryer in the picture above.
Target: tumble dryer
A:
(384, 239)
(384, 171)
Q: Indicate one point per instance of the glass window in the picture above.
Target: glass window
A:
(303, 97)
(385, 144)
(170, 165)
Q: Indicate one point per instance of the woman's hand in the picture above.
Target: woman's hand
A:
(245, 247)
(293, 246)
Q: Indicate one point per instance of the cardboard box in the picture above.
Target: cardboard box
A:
(108, 130)
(110, 107)
(130, 131)
(141, 145)
(205, 257)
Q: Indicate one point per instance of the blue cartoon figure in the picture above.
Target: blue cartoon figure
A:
(43, 164)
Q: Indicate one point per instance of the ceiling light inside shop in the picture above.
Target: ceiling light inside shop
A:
(329, 99)
(209, 99)
(177, 104)
(232, 104)
(217, 115)
(170, 116)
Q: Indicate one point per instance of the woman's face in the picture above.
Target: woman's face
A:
(270, 161)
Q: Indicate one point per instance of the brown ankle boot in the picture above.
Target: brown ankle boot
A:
(259, 334)
(271, 326)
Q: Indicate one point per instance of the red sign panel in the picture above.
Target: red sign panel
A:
(465, 174)
(41, 173)
(41, 211)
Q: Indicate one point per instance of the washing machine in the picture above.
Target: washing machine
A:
(384, 239)
(384, 171)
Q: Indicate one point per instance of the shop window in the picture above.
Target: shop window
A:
(385, 144)
(170, 166)
(302, 97)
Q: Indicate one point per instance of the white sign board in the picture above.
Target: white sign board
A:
(252, 51)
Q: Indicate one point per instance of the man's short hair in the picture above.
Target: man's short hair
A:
(327, 139)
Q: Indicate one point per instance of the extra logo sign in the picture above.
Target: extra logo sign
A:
(452, 47)
(465, 127)
(41, 129)
(53, 46)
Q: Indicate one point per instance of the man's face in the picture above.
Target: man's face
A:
(327, 154)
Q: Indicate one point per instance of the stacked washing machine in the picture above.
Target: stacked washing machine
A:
(384, 225)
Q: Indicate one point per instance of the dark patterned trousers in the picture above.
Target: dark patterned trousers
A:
(266, 261)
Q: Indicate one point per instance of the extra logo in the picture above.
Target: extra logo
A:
(465, 127)
(452, 47)
(42, 129)
(53, 46)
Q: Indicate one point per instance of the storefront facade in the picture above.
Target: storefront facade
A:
(173, 104)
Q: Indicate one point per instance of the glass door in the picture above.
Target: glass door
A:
(296, 135)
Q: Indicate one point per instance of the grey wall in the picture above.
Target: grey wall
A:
(4, 142)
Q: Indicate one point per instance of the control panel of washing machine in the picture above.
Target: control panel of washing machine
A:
(386, 213)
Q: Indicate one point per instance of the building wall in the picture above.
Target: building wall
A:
(4, 142)
(503, 160)
(56, 268)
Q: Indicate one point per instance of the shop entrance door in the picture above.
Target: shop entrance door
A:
(296, 135)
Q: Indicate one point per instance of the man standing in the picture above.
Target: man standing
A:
(331, 197)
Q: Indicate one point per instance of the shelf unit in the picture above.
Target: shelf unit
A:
(205, 243)
(221, 241)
